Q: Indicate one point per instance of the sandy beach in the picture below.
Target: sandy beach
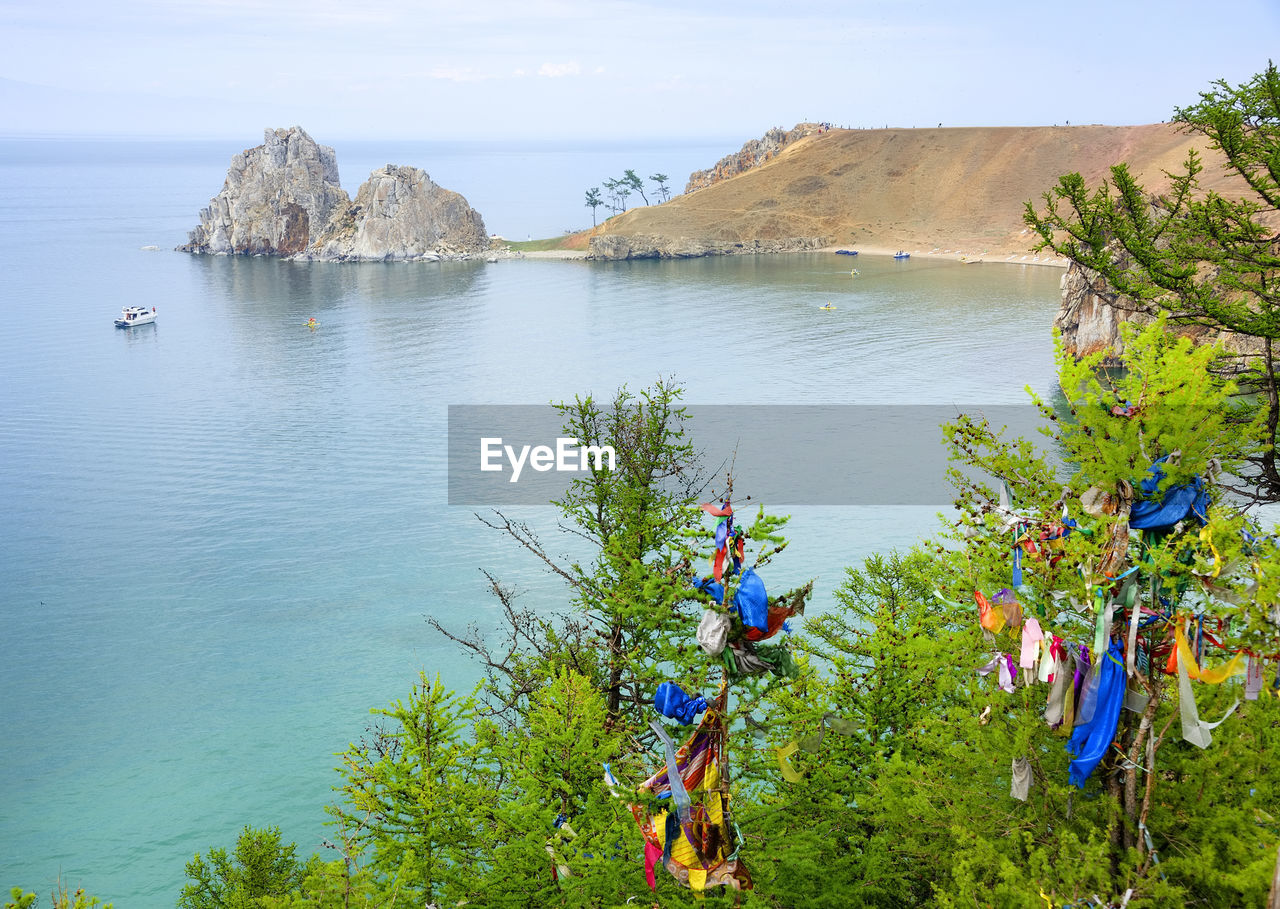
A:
(958, 255)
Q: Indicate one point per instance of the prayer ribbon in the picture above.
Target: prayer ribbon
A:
(679, 796)
(1194, 730)
(1090, 740)
(652, 852)
(989, 617)
(812, 743)
(1131, 651)
(1206, 536)
(1007, 671)
(1253, 679)
(1020, 783)
(788, 772)
(611, 781)
(1056, 704)
(1031, 638)
(1102, 630)
(1215, 676)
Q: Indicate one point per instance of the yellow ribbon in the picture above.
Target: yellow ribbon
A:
(788, 772)
(1206, 536)
(1215, 676)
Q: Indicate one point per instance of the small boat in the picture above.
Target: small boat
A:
(828, 306)
(846, 252)
(135, 315)
(902, 255)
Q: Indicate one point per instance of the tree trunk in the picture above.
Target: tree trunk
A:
(1119, 832)
(1269, 470)
(615, 672)
(1274, 901)
(1131, 809)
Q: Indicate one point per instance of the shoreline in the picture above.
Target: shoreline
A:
(999, 257)
(956, 255)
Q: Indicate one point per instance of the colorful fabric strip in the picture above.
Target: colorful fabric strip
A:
(652, 852)
(788, 772)
(1031, 638)
(1090, 740)
(1215, 676)
(678, 794)
(1194, 730)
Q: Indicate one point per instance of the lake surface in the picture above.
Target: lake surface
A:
(222, 534)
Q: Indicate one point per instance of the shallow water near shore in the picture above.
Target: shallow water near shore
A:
(224, 532)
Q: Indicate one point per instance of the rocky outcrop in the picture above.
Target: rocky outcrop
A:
(275, 198)
(753, 154)
(1092, 311)
(399, 213)
(617, 246)
(283, 199)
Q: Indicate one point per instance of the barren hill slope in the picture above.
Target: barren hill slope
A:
(916, 189)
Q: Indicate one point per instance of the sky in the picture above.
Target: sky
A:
(606, 69)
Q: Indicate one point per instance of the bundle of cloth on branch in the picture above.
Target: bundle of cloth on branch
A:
(1089, 679)
(693, 834)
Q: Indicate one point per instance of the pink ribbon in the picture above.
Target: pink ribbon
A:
(652, 852)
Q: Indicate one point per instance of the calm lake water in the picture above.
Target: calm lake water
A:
(222, 534)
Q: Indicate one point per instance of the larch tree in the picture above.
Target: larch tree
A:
(1204, 257)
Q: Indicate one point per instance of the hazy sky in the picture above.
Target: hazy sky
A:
(608, 69)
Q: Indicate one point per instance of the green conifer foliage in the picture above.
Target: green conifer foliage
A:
(420, 795)
(261, 865)
(914, 805)
(1204, 257)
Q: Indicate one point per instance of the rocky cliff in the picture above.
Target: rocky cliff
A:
(283, 198)
(399, 213)
(1092, 312)
(275, 199)
(752, 154)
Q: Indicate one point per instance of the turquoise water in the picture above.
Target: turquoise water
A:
(223, 533)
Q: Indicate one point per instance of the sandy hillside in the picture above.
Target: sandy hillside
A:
(961, 190)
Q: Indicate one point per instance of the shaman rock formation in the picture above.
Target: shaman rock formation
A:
(399, 213)
(283, 198)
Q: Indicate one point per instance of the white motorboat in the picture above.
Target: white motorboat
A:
(136, 315)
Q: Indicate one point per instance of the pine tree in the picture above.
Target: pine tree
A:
(1203, 257)
(261, 865)
(419, 795)
(1064, 551)
(631, 599)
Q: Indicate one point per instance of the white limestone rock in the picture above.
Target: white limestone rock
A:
(275, 199)
(400, 213)
(283, 198)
